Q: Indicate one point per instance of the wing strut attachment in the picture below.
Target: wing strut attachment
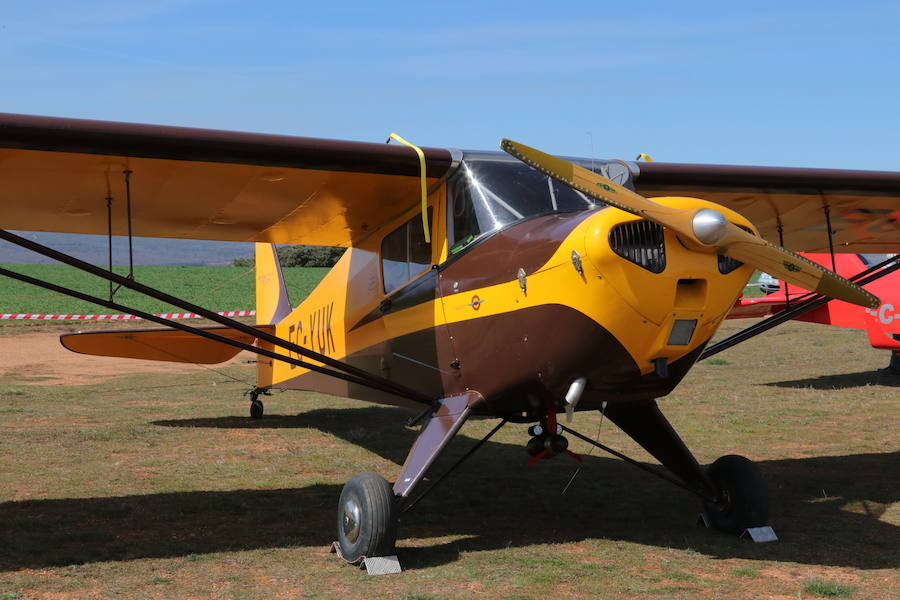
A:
(338, 369)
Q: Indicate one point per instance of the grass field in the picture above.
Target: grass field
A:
(161, 487)
(215, 288)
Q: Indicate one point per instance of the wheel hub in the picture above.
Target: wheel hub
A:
(350, 520)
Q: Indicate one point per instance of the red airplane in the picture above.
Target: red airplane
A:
(882, 324)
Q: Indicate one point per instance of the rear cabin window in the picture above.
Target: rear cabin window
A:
(405, 253)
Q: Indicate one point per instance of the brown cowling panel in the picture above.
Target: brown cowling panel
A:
(506, 357)
(528, 245)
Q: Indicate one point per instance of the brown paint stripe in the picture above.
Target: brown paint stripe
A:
(658, 175)
(208, 145)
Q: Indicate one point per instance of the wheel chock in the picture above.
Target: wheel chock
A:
(382, 565)
(375, 565)
(760, 534)
(757, 534)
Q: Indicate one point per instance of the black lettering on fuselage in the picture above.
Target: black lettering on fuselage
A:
(319, 336)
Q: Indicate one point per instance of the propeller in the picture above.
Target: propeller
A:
(706, 228)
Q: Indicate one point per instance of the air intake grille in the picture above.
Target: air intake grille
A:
(727, 264)
(640, 242)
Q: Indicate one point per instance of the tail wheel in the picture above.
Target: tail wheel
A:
(256, 409)
(743, 495)
(367, 518)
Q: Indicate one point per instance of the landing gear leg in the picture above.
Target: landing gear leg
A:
(369, 505)
(734, 494)
(257, 409)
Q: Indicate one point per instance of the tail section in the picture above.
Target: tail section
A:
(272, 303)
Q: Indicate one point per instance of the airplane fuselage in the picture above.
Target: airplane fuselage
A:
(519, 312)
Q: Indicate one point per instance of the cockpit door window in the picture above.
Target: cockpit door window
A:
(405, 253)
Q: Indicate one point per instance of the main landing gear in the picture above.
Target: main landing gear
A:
(367, 518)
(735, 497)
(732, 490)
(742, 501)
(369, 507)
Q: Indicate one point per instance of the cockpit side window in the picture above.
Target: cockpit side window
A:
(405, 253)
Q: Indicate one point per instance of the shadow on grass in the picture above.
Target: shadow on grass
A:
(842, 381)
(494, 503)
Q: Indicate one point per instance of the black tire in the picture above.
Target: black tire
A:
(743, 493)
(367, 517)
(257, 409)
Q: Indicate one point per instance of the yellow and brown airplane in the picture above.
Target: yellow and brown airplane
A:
(513, 285)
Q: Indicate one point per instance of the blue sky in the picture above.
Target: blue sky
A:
(781, 83)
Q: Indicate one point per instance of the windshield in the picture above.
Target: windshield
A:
(491, 191)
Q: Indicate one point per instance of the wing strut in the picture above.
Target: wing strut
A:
(339, 369)
(803, 305)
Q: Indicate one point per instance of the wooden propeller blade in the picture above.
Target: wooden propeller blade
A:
(735, 243)
(791, 267)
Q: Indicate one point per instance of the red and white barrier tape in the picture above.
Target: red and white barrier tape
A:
(38, 317)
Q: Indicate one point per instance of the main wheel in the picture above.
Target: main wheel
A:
(367, 517)
(743, 495)
(256, 409)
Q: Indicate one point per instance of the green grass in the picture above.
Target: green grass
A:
(214, 288)
(753, 291)
(155, 486)
(717, 362)
(827, 589)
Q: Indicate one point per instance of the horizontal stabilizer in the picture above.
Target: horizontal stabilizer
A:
(166, 344)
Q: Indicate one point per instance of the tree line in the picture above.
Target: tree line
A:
(300, 256)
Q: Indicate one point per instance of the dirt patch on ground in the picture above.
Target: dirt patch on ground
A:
(40, 359)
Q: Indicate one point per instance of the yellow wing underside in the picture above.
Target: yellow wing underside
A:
(67, 192)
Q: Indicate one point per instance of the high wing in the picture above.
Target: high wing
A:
(863, 206)
(56, 175)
